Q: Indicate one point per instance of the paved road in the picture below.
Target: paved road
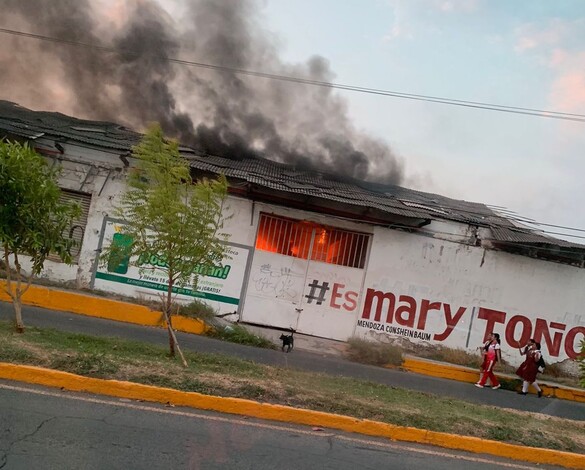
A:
(48, 429)
(301, 360)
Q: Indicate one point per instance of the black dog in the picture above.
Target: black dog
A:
(288, 341)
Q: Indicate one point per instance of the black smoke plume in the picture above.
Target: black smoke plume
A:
(216, 112)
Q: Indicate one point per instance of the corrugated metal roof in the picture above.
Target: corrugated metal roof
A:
(17, 120)
(386, 198)
(390, 199)
(528, 237)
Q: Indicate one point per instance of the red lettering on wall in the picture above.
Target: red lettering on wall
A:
(350, 298)
(335, 294)
(570, 349)
(450, 320)
(492, 317)
(403, 309)
(425, 307)
(541, 332)
(380, 297)
(525, 335)
(350, 301)
(409, 309)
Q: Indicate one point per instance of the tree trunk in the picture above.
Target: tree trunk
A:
(171, 336)
(176, 343)
(17, 304)
(14, 291)
(17, 299)
(168, 303)
(168, 309)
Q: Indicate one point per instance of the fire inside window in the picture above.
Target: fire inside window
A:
(308, 240)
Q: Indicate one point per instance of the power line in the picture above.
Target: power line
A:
(511, 215)
(557, 226)
(452, 212)
(305, 81)
(499, 217)
(560, 249)
(541, 248)
(448, 101)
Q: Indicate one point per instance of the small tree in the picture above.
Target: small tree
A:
(170, 217)
(33, 219)
(581, 359)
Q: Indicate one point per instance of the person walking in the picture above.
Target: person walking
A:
(484, 349)
(491, 355)
(528, 347)
(529, 368)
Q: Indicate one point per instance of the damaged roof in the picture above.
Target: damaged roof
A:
(23, 122)
(391, 199)
(264, 173)
(528, 237)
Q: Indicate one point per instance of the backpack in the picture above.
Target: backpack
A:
(541, 365)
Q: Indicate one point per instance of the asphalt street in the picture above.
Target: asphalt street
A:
(299, 359)
(50, 429)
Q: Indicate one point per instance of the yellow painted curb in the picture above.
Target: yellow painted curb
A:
(440, 370)
(53, 378)
(464, 374)
(99, 307)
(93, 306)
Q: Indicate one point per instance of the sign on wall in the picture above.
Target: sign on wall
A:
(464, 326)
(221, 285)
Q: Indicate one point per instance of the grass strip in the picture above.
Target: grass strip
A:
(227, 376)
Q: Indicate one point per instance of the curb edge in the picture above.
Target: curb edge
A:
(238, 406)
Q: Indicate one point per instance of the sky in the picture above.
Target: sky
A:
(523, 53)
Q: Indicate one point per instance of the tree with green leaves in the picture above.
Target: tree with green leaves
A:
(581, 359)
(33, 218)
(171, 218)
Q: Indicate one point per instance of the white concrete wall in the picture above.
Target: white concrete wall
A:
(241, 220)
(435, 277)
(72, 177)
(535, 298)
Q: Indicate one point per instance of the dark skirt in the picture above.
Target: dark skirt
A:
(528, 370)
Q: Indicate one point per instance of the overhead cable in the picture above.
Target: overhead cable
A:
(374, 91)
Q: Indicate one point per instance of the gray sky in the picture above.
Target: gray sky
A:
(525, 53)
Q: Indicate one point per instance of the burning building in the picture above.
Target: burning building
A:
(329, 256)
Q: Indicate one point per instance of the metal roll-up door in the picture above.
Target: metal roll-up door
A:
(76, 230)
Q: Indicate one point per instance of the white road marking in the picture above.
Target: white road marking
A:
(123, 402)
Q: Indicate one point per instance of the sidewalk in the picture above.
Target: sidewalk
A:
(97, 307)
(310, 354)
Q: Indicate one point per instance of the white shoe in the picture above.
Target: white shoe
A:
(478, 385)
(496, 387)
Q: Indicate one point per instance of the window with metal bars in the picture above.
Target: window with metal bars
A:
(308, 240)
(76, 230)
